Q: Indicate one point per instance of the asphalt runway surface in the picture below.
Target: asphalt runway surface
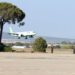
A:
(37, 64)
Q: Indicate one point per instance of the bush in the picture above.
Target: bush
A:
(4, 48)
(39, 45)
(67, 46)
(19, 44)
(7, 49)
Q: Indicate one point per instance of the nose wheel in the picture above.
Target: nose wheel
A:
(18, 37)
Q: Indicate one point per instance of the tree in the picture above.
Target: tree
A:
(11, 14)
(40, 45)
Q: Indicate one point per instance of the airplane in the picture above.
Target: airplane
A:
(26, 34)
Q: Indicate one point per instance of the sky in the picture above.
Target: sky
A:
(53, 18)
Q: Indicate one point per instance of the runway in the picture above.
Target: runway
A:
(37, 64)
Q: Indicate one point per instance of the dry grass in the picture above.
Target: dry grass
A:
(48, 50)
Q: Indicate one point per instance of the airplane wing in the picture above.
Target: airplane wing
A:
(27, 34)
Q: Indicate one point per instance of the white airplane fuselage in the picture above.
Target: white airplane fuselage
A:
(26, 34)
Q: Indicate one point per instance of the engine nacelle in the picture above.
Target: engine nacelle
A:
(31, 36)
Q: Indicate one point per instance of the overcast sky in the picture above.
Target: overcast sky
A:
(55, 18)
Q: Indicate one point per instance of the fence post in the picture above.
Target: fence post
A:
(74, 50)
(52, 48)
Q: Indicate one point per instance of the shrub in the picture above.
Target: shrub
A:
(2, 47)
(7, 49)
(67, 46)
(19, 44)
(39, 45)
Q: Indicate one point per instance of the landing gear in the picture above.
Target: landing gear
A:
(18, 37)
(31, 36)
(26, 37)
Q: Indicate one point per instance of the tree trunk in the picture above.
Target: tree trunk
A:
(1, 30)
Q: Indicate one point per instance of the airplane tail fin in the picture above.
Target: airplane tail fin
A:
(10, 30)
